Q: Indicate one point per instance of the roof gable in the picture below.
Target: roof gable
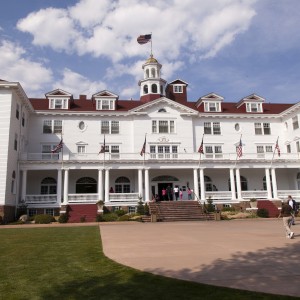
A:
(58, 92)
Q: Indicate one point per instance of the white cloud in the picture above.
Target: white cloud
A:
(15, 66)
(71, 81)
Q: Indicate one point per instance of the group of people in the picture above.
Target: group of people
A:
(169, 194)
(288, 212)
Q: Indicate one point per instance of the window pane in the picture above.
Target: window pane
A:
(154, 127)
(207, 128)
(217, 128)
(57, 126)
(267, 129)
(163, 127)
(172, 127)
(104, 127)
(47, 127)
(115, 127)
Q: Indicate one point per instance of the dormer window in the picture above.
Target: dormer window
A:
(177, 88)
(105, 104)
(57, 103)
(212, 106)
(254, 107)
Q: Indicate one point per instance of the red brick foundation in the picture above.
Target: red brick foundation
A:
(7, 213)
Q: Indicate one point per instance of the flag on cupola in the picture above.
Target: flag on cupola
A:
(143, 39)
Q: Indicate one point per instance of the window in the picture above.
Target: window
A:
(81, 125)
(262, 128)
(110, 127)
(52, 126)
(213, 151)
(254, 107)
(48, 186)
(298, 146)
(295, 122)
(163, 126)
(212, 128)
(163, 151)
(154, 88)
(17, 111)
(211, 106)
(288, 148)
(16, 142)
(114, 150)
(122, 185)
(58, 103)
(23, 120)
(49, 211)
(13, 178)
(32, 212)
(177, 88)
(162, 110)
(105, 104)
(262, 149)
(81, 149)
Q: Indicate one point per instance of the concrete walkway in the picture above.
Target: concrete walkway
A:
(245, 254)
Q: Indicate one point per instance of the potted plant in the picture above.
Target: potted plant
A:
(253, 203)
(100, 205)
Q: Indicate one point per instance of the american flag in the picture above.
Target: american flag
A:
(277, 148)
(102, 150)
(143, 39)
(239, 149)
(143, 148)
(200, 150)
(58, 146)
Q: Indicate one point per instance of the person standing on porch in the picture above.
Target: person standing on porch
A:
(169, 193)
(286, 214)
(180, 193)
(163, 194)
(176, 192)
(189, 194)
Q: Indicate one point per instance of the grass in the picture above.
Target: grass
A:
(68, 263)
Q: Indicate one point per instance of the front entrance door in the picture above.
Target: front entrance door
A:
(164, 185)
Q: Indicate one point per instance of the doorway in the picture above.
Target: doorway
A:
(164, 185)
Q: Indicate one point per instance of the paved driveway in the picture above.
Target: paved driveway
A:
(245, 254)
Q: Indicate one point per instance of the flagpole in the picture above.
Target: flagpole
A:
(274, 152)
(62, 151)
(237, 152)
(151, 43)
(104, 153)
(200, 152)
(145, 147)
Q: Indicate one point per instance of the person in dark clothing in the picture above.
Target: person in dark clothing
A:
(286, 214)
(169, 193)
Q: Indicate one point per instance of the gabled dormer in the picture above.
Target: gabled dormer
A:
(59, 99)
(177, 90)
(211, 103)
(105, 100)
(252, 103)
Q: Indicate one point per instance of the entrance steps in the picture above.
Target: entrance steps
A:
(269, 206)
(169, 211)
(79, 213)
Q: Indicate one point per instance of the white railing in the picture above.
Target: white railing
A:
(216, 195)
(40, 199)
(283, 195)
(247, 195)
(82, 198)
(124, 197)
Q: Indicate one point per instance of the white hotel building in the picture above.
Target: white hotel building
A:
(79, 176)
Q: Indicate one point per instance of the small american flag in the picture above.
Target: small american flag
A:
(143, 148)
(58, 147)
(277, 148)
(143, 39)
(200, 150)
(102, 150)
(239, 149)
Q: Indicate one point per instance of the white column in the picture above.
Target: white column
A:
(106, 185)
(232, 184)
(202, 184)
(196, 185)
(66, 186)
(59, 186)
(268, 181)
(140, 183)
(24, 183)
(147, 186)
(238, 183)
(100, 184)
(274, 184)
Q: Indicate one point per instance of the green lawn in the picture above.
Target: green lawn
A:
(68, 263)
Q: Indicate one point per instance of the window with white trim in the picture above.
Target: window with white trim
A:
(212, 128)
(288, 149)
(295, 122)
(105, 104)
(163, 151)
(298, 146)
(213, 151)
(81, 149)
(262, 149)
(163, 126)
(58, 103)
(262, 128)
(52, 126)
(212, 106)
(177, 88)
(110, 127)
(253, 107)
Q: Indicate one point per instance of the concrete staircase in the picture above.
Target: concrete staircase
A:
(167, 211)
(77, 212)
(269, 206)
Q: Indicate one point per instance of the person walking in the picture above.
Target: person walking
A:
(176, 192)
(163, 194)
(293, 205)
(180, 194)
(169, 193)
(286, 214)
(189, 194)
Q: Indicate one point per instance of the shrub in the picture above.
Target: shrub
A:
(228, 209)
(63, 218)
(209, 207)
(124, 218)
(146, 210)
(262, 213)
(120, 212)
(110, 217)
(140, 208)
(99, 218)
(43, 219)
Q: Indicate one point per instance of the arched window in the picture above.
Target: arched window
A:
(153, 72)
(161, 90)
(86, 185)
(154, 88)
(209, 185)
(244, 183)
(145, 89)
(162, 110)
(147, 73)
(122, 185)
(48, 186)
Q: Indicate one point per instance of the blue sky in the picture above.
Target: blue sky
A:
(230, 47)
